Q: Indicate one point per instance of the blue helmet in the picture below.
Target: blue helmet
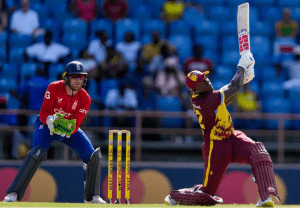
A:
(74, 67)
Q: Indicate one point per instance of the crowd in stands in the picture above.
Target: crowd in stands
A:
(138, 52)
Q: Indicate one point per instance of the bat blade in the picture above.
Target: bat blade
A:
(243, 28)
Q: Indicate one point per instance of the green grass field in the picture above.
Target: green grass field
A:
(36, 204)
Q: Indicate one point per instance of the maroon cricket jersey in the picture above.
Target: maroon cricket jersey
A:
(214, 119)
(56, 100)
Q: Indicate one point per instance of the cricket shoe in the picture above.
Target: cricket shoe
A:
(170, 201)
(11, 197)
(96, 200)
(267, 203)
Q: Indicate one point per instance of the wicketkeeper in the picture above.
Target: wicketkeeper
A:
(65, 105)
(222, 144)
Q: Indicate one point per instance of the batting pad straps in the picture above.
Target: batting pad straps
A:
(93, 176)
(195, 198)
(27, 170)
(262, 167)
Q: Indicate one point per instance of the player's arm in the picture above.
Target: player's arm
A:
(48, 103)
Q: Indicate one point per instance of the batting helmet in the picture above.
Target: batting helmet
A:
(74, 67)
(195, 77)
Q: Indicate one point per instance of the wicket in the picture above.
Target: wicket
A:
(119, 166)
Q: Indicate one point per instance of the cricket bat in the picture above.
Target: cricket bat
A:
(243, 28)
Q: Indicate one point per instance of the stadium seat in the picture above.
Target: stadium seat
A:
(75, 26)
(102, 25)
(52, 25)
(9, 70)
(231, 57)
(269, 73)
(74, 41)
(272, 89)
(254, 86)
(220, 14)
(295, 124)
(27, 70)
(262, 29)
(16, 55)
(296, 14)
(2, 55)
(209, 42)
(42, 11)
(213, 55)
(93, 87)
(260, 44)
(170, 103)
(154, 24)
(3, 38)
(155, 5)
(192, 16)
(180, 27)
(126, 25)
(55, 70)
(271, 14)
(229, 28)
(289, 3)
(207, 4)
(223, 72)
(141, 12)
(218, 84)
(105, 85)
(276, 105)
(294, 94)
(20, 41)
(54, 4)
(230, 43)
(146, 38)
(207, 28)
(7, 84)
(261, 58)
(133, 4)
(263, 3)
(12, 103)
(61, 15)
(184, 45)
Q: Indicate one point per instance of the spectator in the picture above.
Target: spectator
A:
(247, 101)
(152, 49)
(172, 10)
(286, 27)
(286, 34)
(292, 69)
(97, 47)
(25, 21)
(115, 9)
(157, 63)
(129, 49)
(47, 52)
(89, 63)
(170, 81)
(114, 66)
(198, 62)
(87, 10)
(3, 17)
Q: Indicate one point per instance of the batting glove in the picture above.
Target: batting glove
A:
(50, 122)
(246, 61)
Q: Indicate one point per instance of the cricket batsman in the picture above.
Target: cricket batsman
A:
(64, 107)
(222, 144)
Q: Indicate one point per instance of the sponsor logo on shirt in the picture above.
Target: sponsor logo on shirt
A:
(59, 100)
(82, 111)
(74, 105)
(60, 111)
(196, 106)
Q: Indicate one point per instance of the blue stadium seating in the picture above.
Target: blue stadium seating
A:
(294, 94)
(16, 55)
(105, 85)
(262, 59)
(126, 25)
(223, 73)
(27, 70)
(272, 89)
(192, 16)
(269, 73)
(141, 12)
(209, 42)
(55, 70)
(146, 38)
(295, 124)
(154, 24)
(54, 4)
(289, 3)
(218, 84)
(275, 105)
(263, 3)
(213, 55)
(180, 27)
(254, 86)
(3, 55)
(12, 103)
(229, 28)
(3, 38)
(271, 14)
(207, 28)
(260, 44)
(9, 70)
(61, 15)
(42, 11)
(75, 26)
(134, 4)
(100, 25)
(7, 84)
(20, 41)
(52, 25)
(261, 28)
(207, 4)
(93, 88)
(184, 45)
(230, 43)
(231, 57)
(234, 3)
(74, 41)
(220, 14)
(296, 13)
(170, 103)
(155, 5)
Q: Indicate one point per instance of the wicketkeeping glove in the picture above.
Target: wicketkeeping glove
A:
(64, 127)
(50, 122)
(247, 62)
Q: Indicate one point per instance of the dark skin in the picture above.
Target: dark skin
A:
(230, 90)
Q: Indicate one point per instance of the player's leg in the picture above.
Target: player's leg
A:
(249, 152)
(80, 143)
(30, 165)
